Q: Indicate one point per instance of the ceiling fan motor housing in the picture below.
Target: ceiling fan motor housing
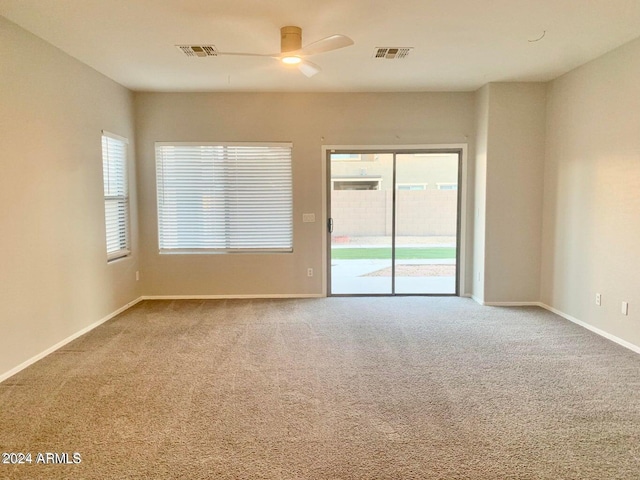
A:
(290, 39)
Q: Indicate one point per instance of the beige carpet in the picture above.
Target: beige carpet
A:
(338, 388)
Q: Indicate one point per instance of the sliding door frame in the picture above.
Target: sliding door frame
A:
(459, 149)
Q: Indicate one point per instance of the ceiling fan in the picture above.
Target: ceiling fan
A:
(293, 53)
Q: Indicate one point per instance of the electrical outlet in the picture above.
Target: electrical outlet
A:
(137, 275)
(625, 308)
(598, 299)
(309, 272)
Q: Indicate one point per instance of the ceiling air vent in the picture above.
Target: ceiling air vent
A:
(391, 53)
(198, 50)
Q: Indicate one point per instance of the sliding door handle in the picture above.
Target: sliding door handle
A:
(330, 225)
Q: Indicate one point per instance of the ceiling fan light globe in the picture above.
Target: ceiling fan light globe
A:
(291, 60)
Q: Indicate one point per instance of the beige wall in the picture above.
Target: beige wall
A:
(514, 183)
(480, 190)
(509, 172)
(307, 120)
(54, 276)
(591, 233)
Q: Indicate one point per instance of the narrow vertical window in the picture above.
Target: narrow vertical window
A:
(116, 195)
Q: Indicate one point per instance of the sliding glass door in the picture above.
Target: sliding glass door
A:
(361, 190)
(426, 220)
(393, 222)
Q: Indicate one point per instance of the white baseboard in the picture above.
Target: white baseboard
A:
(505, 304)
(229, 297)
(596, 330)
(62, 343)
(477, 299)
(511, 304)
(602, 333)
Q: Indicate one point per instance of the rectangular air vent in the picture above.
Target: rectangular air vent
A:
(391, 53)
(198, 50)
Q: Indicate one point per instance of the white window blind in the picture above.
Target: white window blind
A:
(224, 197)
(116, 195)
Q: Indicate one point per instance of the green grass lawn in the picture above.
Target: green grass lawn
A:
(383, 253)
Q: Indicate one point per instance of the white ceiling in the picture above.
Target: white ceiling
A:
(459, 44)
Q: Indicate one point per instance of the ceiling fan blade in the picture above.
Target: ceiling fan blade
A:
(308, 68)
(327, 44)
(240, 54)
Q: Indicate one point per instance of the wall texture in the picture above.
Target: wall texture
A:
(309, 121)
(54, 274)
(480, 190)
(514, 184)
(591, 226)
(510, 142)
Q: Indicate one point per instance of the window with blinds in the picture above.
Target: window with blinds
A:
(224, 197)
(116, 195)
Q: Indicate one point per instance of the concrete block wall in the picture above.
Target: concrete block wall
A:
(361, 213)
(426, 213)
